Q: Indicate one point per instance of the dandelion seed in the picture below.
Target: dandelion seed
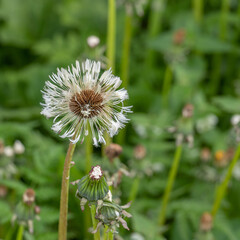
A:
(79, 97)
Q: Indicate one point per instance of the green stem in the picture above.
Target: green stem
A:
(155, 24)
(167, 82)
(134, 189)
(111, 34)
(170, 182)
(125, 63)
(217, 60)
(198, 10)
(20, 232)
(62, 226)
(88, 161)
(222, 188)
(94, 222)
(110, 235)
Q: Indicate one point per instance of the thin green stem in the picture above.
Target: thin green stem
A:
(167, 82)
(217, 60)
(105, 233)
(111, 34)
(155, 24)
(110, 235)
(125, 63)
(94, 222)
(170, 182)
(223, 187)
(134, 189)
(62, 226)
(198, 10)
(20, 232)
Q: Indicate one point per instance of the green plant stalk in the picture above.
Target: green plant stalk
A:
(198, 10)
(217, 60)
(88, 165)
(134, 189)
(62, 226)
(167, 82)
(111, 42)
(223, 187)
(155, 24)
(125, 63)
(20, 232)
(170, 182)
(95, 222)
(110, 235)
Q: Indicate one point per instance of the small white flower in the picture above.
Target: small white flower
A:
(79, 99)
(18, 147)
(93, 41)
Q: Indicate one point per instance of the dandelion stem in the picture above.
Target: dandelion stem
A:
(167, 81)
(62, 226)
(170, 182)
(198, 10)
(217, 59)
(20, 232)
(110, 235)
(94, 222)
(222, 188)
(155, 24)
(125, 62)
(134, 189)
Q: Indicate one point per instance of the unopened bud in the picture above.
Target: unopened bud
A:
(37, 209)
(113, 150)
(187, 111)
(206, 222)
(220, 159)
(139, 152)
(3, 191)
(1, 147)
(93, 41)
(18, 147)
(29, 196)
(205, 154)
(179, 36)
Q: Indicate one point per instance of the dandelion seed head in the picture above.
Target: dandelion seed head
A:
(82, 101)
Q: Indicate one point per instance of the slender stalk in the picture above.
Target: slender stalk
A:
(111, 42)
(217, 60)
(111, 34)
(223, 187)
(62, 226)
(134, 189)
(105, 234)
(170, 182)
(125, 63)
(20, 232)
(94, 222)
(155, 24)
(110, 235)
(88, 161)
(198, 10)
(167, 82)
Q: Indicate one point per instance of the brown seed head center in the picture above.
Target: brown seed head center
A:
(86, 104)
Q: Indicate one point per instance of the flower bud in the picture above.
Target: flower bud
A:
(220, 159)
(205, 154)
(179, 36)
(1, 147)
(92, 187)
(187, 111)
(112, 151)
(206, 222)
(18, 147)
(139, 152)
(93, 41)
(3, 191)
(29, 196)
